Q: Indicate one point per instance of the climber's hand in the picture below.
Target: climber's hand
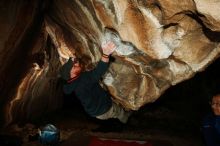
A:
(108, 48)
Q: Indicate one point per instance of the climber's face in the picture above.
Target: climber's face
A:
(216, 104)
(76, 69)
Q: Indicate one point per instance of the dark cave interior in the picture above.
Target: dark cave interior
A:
(179, 111)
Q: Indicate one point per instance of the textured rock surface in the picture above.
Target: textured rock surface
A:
(159, 44)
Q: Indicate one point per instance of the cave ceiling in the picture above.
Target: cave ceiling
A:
(160, 43)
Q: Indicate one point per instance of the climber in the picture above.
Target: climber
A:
(211, 123)
(85, 85)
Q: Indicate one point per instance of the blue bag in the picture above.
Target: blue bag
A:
(49, 135)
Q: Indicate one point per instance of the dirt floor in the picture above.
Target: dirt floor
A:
(160, 126)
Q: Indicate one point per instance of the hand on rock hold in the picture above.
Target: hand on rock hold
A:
(108, 48)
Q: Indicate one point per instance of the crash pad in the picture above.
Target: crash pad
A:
(82, 139)
(95, 141)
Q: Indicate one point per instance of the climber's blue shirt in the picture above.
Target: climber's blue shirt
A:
(95, 100)
(211, 130)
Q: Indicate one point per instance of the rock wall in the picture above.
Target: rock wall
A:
(160, 43)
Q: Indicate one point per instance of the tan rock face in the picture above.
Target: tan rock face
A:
(209, 11)
(159, 44)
